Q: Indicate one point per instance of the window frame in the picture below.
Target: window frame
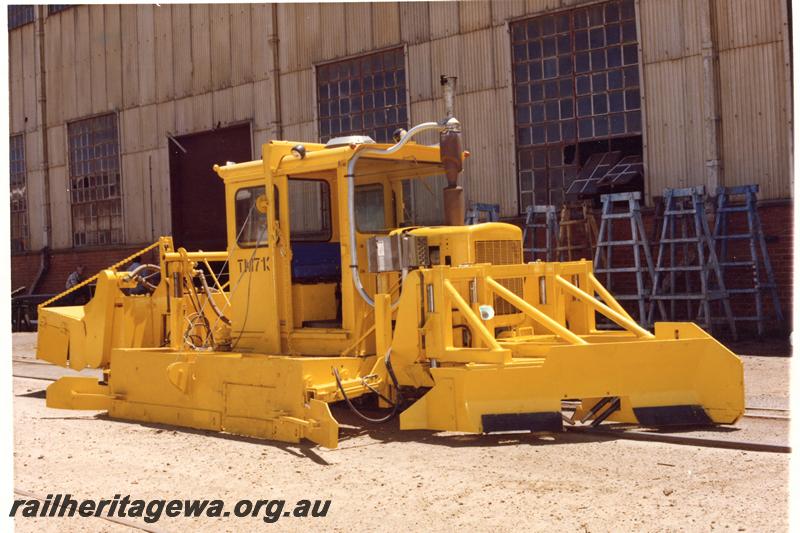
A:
(536, 159)
(372, 185)
(238, 229)
(328, 219)
(24, 235)
(113, 139)
(402, 101)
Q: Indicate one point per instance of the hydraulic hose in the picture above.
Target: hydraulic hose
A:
(214, 307)
(351, 187)
(395, 404)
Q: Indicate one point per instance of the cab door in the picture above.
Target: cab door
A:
(253, 241)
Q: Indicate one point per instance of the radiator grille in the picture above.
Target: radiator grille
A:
(502, 253)
(498, 252)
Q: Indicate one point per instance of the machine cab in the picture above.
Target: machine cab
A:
(290, 288)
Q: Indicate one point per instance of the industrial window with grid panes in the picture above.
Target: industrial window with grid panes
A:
(19, 197)
(95, 181)
(365, 95)
(576, 93)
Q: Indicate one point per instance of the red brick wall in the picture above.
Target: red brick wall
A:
(776, 221)
(24, 267)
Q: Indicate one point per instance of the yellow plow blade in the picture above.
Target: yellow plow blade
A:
(666, 381)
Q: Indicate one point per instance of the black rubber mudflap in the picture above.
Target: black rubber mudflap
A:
(548, 421)
(672, 415)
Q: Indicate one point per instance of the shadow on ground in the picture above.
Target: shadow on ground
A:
(776, 346)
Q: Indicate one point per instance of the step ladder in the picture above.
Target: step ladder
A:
(492, 212)
(542, 218)
(742, 200)
(604, 267)
(692, 256)
(573, 216)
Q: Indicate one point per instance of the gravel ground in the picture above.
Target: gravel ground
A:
(766, 382)
(387, 479)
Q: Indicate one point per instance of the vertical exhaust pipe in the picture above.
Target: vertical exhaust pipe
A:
(449, 87)
(451, 153)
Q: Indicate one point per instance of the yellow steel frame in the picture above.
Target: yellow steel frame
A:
(543, 361)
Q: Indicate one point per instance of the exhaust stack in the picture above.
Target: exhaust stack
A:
(451, 153)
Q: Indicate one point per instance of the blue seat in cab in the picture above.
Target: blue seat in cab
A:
(316, 262)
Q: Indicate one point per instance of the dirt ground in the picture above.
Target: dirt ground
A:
(381, 478)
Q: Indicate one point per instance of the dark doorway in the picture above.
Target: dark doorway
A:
(197, 192)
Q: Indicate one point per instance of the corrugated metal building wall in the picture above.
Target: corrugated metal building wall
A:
(177, 69)
(754, 101)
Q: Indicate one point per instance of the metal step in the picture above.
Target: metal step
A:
(621, 243)
(617, 215)
(734, 236)
(736, 263)
(680, 240)
(730, 209)
(741, 291)
(688, 296)
(627, 296)
(687, 268)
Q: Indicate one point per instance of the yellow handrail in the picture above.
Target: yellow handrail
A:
(600, 307)
(217, 283)
(89, 280)
(607, 297)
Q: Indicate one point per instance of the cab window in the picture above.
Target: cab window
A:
(251, 216)
(310, 208)
(370, 209)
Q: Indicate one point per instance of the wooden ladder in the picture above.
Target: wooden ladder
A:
(568, 248)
